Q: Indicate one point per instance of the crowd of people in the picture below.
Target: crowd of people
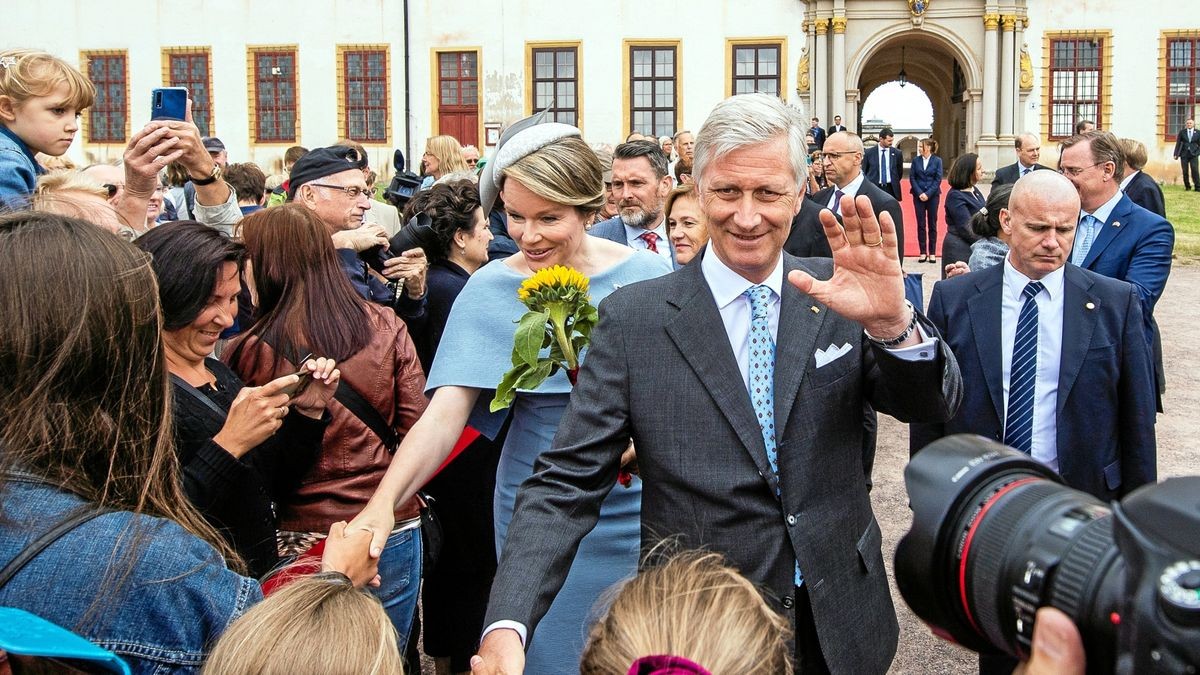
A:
(264, 417)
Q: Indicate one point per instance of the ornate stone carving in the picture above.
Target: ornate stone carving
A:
(918, 7)
(1026, 81)
(839, 24)
(1009, 21)
(802, 83)
(991, 21)
(822, 26)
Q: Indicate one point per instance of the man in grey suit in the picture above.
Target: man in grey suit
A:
(640, 185)
(743, 396)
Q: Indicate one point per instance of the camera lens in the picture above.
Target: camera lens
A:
(995, 536)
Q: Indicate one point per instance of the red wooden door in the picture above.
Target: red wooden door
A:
(458, 96)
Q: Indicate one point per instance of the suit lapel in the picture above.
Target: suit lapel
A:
(795, 345)
(1079, 322)
(712, 359)
(984, 310)
(1109, 232)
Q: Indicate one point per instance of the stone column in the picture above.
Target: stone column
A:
(1008, 79)
(1022, 22)
(820, 59)
(975, 120)
(850, 114)
(991, 75)
(837, 98)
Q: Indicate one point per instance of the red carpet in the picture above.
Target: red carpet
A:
(910, 220)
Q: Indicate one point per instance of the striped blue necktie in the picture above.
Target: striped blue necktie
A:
(1018, 423)
(762, 377)
(1084, 238)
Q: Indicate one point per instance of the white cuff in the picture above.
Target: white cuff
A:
(926, 351)
(504, 623)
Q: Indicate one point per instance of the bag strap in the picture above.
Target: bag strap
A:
(73, 520)
(199, 396)
(357, 404)
(367, 414)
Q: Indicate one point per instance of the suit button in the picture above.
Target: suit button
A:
(791, 520)
(788, 602)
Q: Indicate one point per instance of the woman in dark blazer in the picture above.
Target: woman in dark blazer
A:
(925, 179)
(1140, 188)
(963, 201)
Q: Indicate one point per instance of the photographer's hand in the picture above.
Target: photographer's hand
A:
(1057, 646)
(360, 238)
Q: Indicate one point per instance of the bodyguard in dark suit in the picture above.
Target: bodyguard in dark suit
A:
(807, 238)
(817, 133)
(884, 164)
(740, 381)
(1116, 237)
(1029, 149)
(1054, 357)
(1187, 151)
(835, 127)
(842, 161)
(1140, 188)
(1093, 420)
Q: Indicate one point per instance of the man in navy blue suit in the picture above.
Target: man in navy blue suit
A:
(1116, 237)
(1054, 357)
(640, 185)
(1093, 403)
(884, 164)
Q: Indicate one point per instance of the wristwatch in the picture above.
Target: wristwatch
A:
(211, 178)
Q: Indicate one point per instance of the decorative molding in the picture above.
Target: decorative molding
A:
(802, 82)
(1026, 78)
(991, 21)
(918, 7)
(839, 24)
(1009, 21)
(822, 27)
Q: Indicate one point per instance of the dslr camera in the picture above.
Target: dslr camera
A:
(996, 536)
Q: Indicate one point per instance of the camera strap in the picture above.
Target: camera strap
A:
(73, 520)
(199, 396)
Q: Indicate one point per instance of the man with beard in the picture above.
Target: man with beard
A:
(640, 185)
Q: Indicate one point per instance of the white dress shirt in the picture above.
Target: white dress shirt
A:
(633, 235)
(1049, 353)
(1022, 169)
(851, 190)
(885, 158)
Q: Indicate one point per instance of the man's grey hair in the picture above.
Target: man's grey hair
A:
(1021, 138)
(750, 119)
(675, 138)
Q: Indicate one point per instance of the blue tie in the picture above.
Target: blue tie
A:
(1018, 423)
(762, 377)
(1087, 236)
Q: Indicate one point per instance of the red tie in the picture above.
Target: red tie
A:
(651, 240)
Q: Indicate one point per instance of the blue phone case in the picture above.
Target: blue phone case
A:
(168, 103)
(27, 634)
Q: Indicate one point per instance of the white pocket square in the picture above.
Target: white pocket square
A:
(831, 354)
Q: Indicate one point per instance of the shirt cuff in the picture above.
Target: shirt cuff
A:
(926, 351)
(505, 623)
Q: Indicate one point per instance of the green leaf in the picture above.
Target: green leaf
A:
(506, 391)
(529, 338)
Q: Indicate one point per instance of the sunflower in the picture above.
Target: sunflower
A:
(553, 283)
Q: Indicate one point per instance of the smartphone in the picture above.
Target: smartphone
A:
(168, 103)
(294, 390)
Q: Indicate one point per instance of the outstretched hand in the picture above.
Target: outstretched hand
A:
(867, 285)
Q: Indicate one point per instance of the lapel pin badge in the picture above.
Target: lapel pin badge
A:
(1116, 223)
(1090, 305)
(815, 309)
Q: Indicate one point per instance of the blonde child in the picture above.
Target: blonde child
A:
(41, 97)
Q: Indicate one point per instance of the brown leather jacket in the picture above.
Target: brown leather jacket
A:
(353, 459)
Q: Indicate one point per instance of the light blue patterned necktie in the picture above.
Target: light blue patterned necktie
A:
(1022, 377)
(762, 377)
(1089, 224)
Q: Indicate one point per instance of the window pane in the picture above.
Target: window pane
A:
(665, 95)
(449, 92)
(664, 123)
(566, 95)
(641, 122)
(1064, 85)
(769, 87)
(664, 63)
(566, 64)
(567, 117)
(470, 92)
(743, 87)
(543, 65)
(642, 93)
(467, 63)
(449, 64)
(1088, 53)
(1064, 54)
(1088, 84)
(768, 61)
(641, 63)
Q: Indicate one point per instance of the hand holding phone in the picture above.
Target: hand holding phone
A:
(294, 390)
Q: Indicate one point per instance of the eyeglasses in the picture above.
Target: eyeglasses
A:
(472, 162)
(1074, 172)
(353, 191)
(834, 155)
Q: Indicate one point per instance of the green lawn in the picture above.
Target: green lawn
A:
(1183, 210)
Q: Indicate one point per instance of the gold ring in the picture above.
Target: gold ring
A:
(878, 243)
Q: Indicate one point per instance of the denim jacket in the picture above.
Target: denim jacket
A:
(18, 170)
(163, 618)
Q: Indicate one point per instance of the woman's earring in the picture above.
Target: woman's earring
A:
(462, 250)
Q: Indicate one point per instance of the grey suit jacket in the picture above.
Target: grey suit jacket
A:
(661, 370)
(614, 230)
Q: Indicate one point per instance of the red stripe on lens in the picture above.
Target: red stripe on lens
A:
(962, 565)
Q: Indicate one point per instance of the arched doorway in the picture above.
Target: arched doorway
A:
(937, 63)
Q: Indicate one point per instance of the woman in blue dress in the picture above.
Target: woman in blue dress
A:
(551, 184)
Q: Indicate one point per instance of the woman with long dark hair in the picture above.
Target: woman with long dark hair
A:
(963, 201)
(241, 448)
(306, 305)
(90, 487)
